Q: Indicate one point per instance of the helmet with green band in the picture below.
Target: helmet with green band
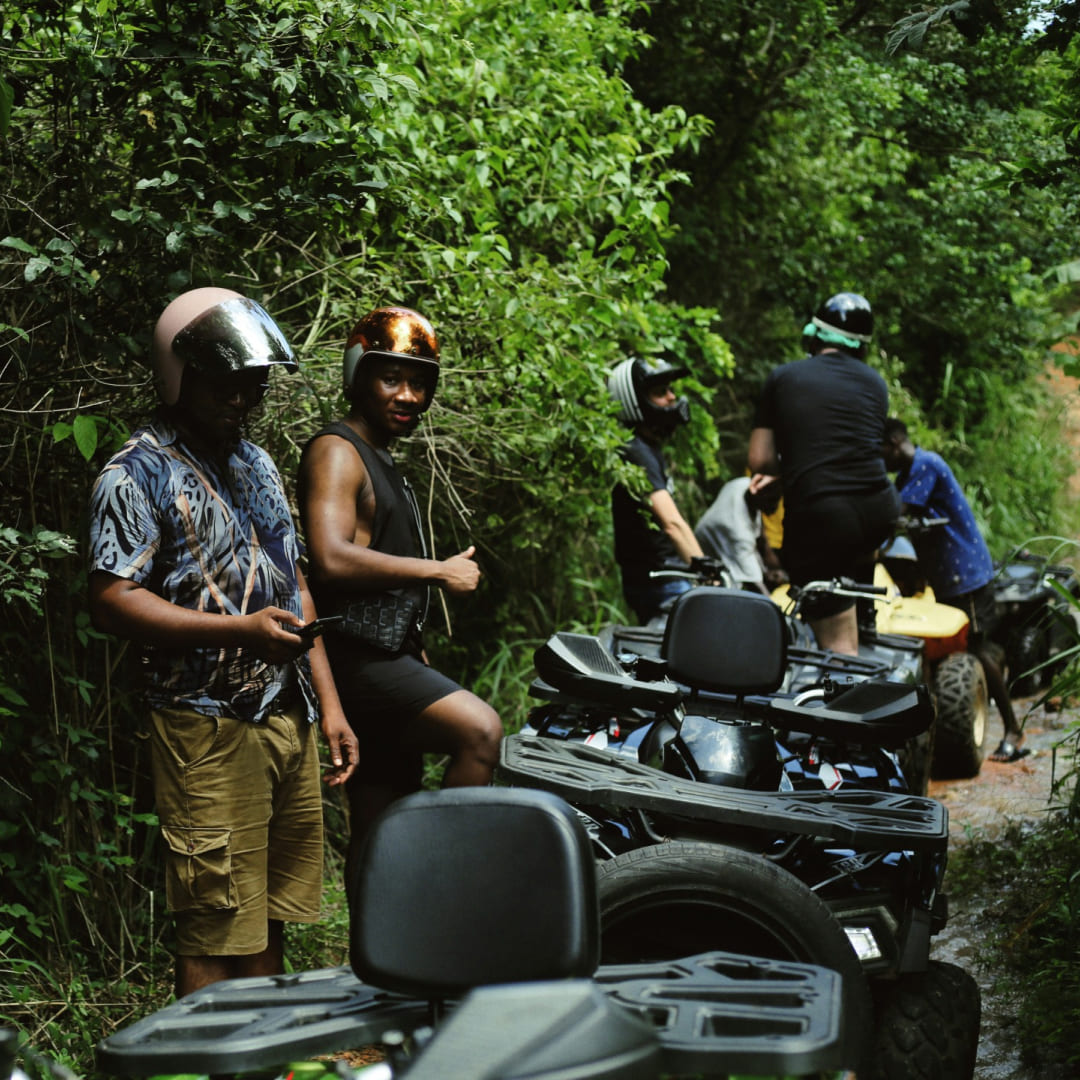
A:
(844, 321)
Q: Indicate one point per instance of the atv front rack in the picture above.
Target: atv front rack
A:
(862, 819)
(716, 1012)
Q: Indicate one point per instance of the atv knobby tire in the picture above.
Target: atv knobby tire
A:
(962, 706)
(680, 898)
(927, 1025)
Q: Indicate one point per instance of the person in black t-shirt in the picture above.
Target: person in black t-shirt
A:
(819, 424)
(369, 563)
(653, 535)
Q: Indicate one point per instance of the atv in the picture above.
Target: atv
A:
(1038, 610)
(474, 945)
(955, 676)
(705, 841)
(882, 655)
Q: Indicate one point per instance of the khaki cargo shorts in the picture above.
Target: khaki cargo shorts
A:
(240, 808)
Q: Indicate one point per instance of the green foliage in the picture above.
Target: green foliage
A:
(1035, 876)
(834, 164)
(21, 579)
(487, 165)
(910, 31)
(539, 244)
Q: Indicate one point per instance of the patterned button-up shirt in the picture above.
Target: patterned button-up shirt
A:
(208, 538)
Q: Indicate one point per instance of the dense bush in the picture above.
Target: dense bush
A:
(1032, 880)
(487, 166)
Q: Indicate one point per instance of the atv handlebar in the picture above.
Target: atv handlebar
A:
(703, 569)
(840, 586)
(915, 524)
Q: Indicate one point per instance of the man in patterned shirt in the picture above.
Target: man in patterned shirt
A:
(194, 558)
(955, 559)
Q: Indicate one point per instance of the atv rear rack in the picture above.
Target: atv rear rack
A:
(862, 819)
(749, 1015)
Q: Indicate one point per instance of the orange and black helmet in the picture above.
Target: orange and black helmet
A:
(392, 333)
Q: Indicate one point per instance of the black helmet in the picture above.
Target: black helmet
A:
(844, 320)
(629, 384)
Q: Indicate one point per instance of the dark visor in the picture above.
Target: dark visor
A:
(233, 336)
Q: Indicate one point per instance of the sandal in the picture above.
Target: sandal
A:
(1008, 751)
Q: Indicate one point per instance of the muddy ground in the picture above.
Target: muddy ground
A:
(982, 806)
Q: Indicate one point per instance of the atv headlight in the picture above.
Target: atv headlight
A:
(863, 942)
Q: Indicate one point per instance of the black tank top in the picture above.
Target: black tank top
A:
(395, 530)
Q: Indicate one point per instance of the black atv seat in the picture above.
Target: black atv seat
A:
(716, 639)
(726, 640)
(414, 932)
(712, 682)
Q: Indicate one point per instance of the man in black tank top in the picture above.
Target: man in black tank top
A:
(368, 562)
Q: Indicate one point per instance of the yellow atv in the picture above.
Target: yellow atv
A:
(955, 677)
(912, 639)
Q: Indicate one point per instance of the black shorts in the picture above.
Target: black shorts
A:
(380, 693)
(980, 607)
(837, 536)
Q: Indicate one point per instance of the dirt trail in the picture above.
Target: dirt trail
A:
(983, 806)
(1000, 793)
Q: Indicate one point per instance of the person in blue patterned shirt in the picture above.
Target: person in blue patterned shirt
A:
(194, 557)
(955, 559)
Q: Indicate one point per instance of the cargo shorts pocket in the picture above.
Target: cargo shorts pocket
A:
(198, 870)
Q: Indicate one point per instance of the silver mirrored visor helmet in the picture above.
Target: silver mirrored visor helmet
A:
(235, 335)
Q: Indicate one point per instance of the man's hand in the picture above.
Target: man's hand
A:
(266, 633)
(460, 574)
(343, 745)
(129, 610)
(775, 577)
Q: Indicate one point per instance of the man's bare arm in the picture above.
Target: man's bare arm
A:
(674, 525)
(128, 610)
(340, 737)
(762, 456)
(337, 494)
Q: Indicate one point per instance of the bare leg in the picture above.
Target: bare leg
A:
(466, 728)
(999, 691)
(461, 725)
(268, 962)
(195, 972)
(838, 633)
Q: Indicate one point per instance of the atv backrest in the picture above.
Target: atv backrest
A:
(727, 641)
(472, 886)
